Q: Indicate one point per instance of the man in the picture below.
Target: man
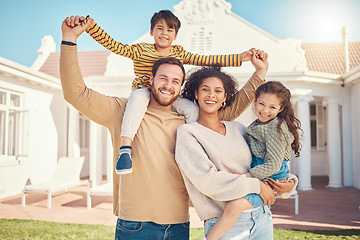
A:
(152, 202)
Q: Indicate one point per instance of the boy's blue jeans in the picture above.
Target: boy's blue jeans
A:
(151, 231)
(254, 198)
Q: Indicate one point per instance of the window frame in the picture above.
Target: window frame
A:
(13, 140)
(319, 118)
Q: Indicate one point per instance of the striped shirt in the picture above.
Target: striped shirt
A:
(144, 55)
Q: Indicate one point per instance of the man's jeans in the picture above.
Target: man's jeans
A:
(151, 231)
(256, 224)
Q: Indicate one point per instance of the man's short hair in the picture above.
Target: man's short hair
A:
(168, 60)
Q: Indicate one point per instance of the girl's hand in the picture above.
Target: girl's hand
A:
(280, 186)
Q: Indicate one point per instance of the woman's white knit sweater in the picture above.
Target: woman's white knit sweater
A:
(210, 164)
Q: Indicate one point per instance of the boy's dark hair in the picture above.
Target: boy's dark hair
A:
(168, 60)
(196, 78)
(287, 114)
(170, 19)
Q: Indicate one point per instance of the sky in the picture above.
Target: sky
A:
(26, 22)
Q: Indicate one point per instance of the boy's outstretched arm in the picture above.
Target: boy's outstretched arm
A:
(102, 37)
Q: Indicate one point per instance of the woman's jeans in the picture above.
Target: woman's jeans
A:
(151, 231)
(256, 224)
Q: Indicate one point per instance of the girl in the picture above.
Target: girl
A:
(272, 137)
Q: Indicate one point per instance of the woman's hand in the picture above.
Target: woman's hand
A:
(267, 194)
(72, 27)
(260, 62)
(280, 186)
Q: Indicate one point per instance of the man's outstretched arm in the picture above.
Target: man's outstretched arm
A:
(96, 106)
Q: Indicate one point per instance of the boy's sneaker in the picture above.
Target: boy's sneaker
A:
(124, 162)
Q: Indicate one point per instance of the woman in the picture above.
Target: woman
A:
(212, 154)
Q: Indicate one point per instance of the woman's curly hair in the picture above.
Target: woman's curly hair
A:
(196, 78)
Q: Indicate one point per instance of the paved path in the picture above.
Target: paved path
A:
(321, 208)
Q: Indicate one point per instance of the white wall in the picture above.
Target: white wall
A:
(355, 116)
(43, 136)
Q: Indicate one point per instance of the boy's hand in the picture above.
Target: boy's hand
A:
(72, 27)
(246, 56)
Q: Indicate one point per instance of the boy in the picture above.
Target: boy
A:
(164, 28)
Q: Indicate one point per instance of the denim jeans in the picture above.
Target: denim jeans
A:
(256, 224)
(254, 198)
(151, 231)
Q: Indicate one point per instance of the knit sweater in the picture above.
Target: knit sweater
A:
(144, 55)
(210, 164)
(155, 190)
(267, 143)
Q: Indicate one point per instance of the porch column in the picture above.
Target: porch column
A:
(334, 141)
(93, 154)
(109, 158)
(303, 114)
(73, 133)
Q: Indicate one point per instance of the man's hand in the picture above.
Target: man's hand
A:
(72, 27)
(267, 194)
(280, 186)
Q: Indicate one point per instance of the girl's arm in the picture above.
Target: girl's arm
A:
(275, 151)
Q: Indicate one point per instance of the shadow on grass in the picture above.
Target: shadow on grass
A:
(280, 234)
(340, 232)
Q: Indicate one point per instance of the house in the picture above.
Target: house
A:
(38, 126)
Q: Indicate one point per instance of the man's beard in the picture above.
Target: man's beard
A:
(158, 98)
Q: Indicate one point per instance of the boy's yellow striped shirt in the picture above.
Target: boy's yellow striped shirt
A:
(144, 55)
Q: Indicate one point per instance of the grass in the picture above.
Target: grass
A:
(11, 229)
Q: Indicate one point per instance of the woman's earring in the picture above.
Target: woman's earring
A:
(196, 101)
(223, 104)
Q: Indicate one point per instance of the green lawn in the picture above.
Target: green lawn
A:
(14, 229)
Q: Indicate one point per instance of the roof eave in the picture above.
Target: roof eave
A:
(23, 73)
(352, 77)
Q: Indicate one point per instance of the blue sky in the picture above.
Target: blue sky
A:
(25, 22)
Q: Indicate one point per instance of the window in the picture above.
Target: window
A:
(11, 124)
(317, 126)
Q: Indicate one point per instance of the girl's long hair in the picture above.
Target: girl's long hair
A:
(287, 114)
